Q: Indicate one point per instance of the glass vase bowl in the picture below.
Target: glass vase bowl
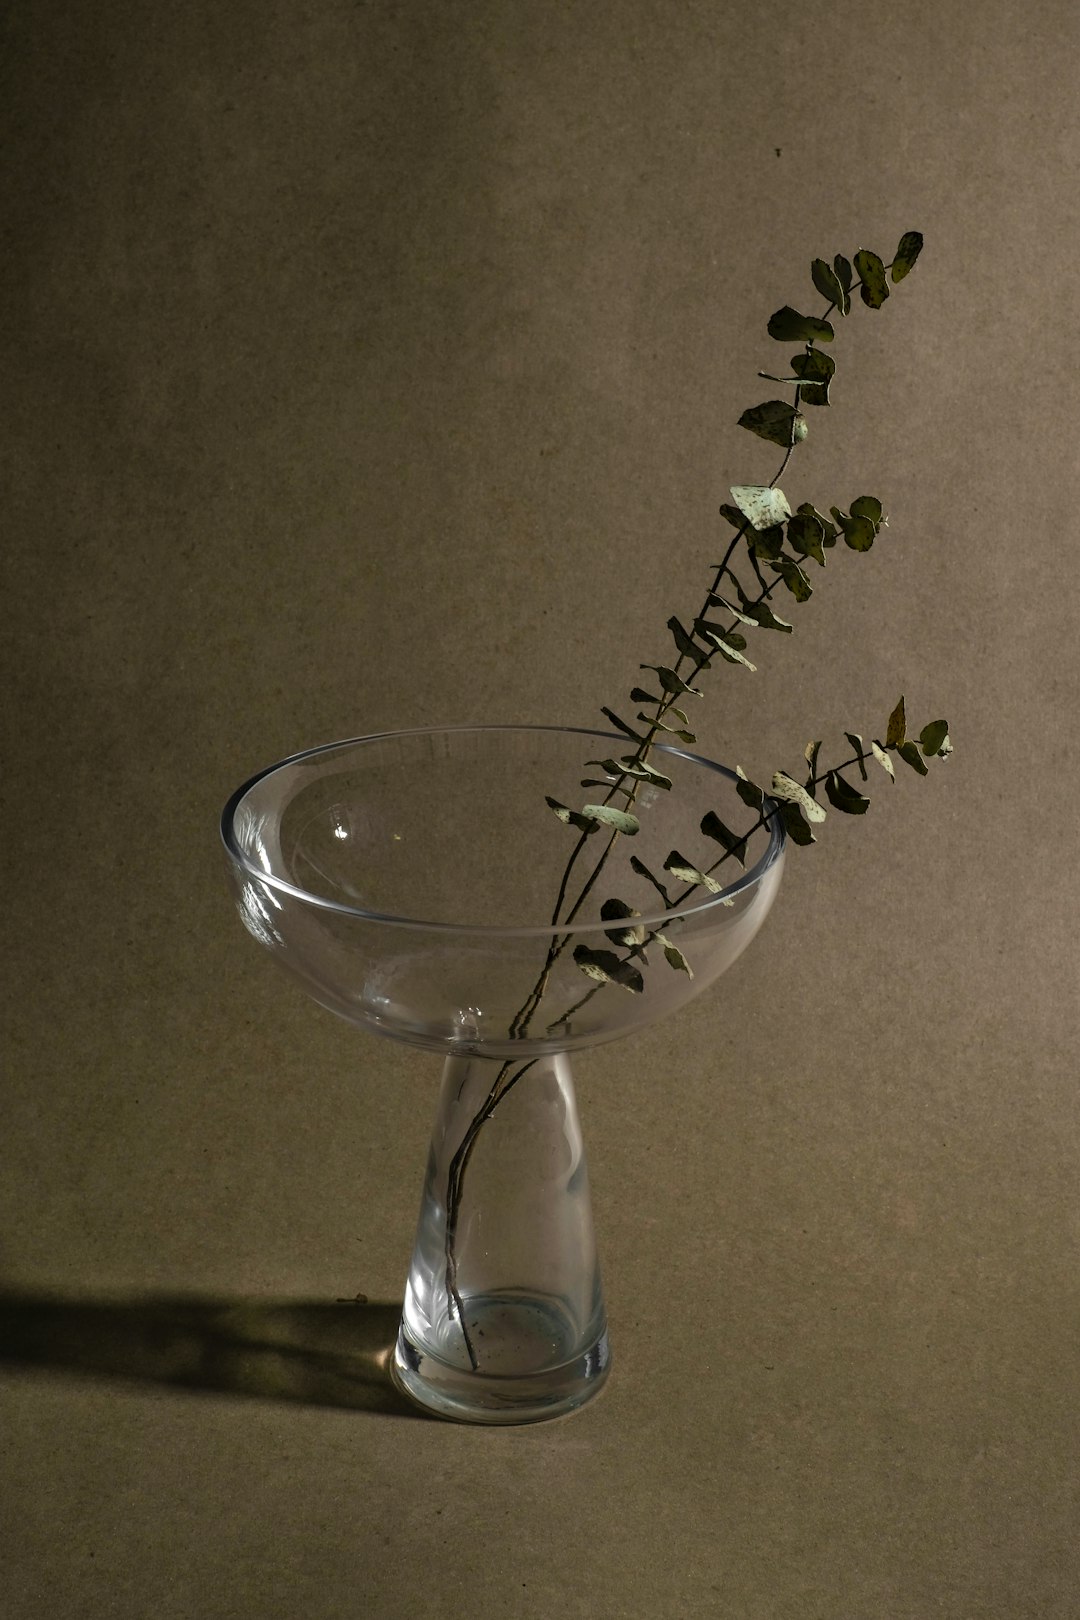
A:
(451, 888)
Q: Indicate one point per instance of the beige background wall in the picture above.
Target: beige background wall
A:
(372, 365)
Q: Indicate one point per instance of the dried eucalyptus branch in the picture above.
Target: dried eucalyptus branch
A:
(782, 542)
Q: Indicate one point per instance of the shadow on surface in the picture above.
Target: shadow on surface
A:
(310, 1352)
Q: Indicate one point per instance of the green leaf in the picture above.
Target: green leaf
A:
(788, 326)
(571, 818)
(811, 755)
(685, 644)
(737, 519)
(831, 532)
(813, 365)
(906, 254)
(859, 533)
(875, 288)
(767, 543)
(606, 968)
(857, 743)
(868, 506)
(643, 871)
(633, 935)
(621, 725)
(687, 872)
(763, 506)
(909, 753)
(796, 825)
(763, 615)
(794, 578)
(791, 792)
(934, 739)
(674, 731)
(883, 759)
(825, 280)
(807, 536)
(722, 602)
(618, 819)
(748, 791)
(843, 276)
(644, 772)
(729, 645)
(842, 796)
(639, 695)
(674, 957)
(714, 828)
(814, 394)
(672, 683)
(896, 731)
(774, 420)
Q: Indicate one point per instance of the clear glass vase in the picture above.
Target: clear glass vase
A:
(439, 887)
(515, 1327)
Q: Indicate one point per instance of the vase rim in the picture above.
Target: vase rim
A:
(777, 839)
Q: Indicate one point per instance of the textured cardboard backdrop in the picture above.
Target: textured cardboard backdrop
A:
(367, 366)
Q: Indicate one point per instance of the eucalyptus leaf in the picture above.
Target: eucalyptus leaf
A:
(643, 871)
(767, 543)
(737, 519)
(806, 535)
(883, 760)
(736, 613)
(934, 739)
(794, 578)
(763, 505)
(788, 326)
(612, 766)
(644, 772)
(825, 280)
(842, 796)
(727, 649)
(571, 818)
(631, 935)
(621, 725)
(875, 288)
(906, 254)
(687, 872)
(859, 532)
(791, 792)
(813, 749)
(764, 616)
(721, 834)
(774, 420)
(868, 506)
(617, 819)
(813, 365)
(639, 695)
(842, 268)
(857, 743)
(909, 753)
(606, 968)
(896, 731)
(796, 825)
(674, 957)
(674, 731)
(672, 683)
(830, 530)
(748, 791)
(814, 394)
(685, 644)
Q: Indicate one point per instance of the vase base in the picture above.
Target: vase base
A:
(502, 1396)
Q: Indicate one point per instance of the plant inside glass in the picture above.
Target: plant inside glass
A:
(417, 883)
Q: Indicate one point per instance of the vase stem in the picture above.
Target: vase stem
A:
(504, 1314)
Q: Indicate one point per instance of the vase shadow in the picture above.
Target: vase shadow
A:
(311, 1352)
